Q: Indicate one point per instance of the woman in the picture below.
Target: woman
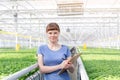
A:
(53, 57)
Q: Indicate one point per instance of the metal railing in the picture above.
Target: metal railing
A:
(21, 73)
(82, 70)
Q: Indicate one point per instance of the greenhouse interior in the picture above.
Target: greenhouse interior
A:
(91, 26)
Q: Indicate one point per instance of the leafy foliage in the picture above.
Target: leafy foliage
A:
(102, 64)
(12, 61)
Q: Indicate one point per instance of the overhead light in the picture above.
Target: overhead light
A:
(67, 30)
(15, 15)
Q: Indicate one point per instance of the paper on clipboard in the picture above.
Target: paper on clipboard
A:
(73, 59)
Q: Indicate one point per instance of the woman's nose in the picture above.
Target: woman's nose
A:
(52, 34)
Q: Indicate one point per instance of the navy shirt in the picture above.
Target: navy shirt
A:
(51, 58)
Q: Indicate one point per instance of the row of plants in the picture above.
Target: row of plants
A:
(101, 63)
(12, 61)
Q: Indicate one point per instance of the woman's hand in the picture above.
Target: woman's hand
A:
(66, 64)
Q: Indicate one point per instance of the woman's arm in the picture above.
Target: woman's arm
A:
(47, 69)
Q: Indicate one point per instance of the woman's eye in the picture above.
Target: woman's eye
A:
(55, 33)
(50, 33)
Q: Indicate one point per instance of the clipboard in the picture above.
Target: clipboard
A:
(73, 59)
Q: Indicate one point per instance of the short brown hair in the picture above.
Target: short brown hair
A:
(52, 26)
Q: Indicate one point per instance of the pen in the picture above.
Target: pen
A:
(64, 59)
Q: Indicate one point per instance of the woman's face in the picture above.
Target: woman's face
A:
(53, 35)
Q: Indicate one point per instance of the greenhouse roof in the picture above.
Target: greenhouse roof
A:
(84, 19)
